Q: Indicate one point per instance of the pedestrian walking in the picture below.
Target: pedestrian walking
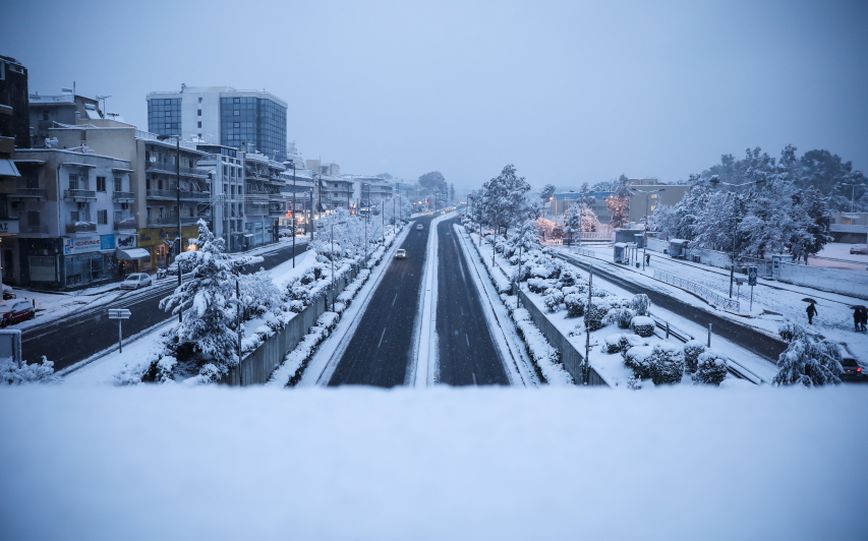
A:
(863, 318)
(857, 319)
(647, 260)
(811, 311)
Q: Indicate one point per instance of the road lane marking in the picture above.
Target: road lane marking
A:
(382, 334)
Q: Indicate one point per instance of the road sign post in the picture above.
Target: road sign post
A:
(751, 281)
(120, 314)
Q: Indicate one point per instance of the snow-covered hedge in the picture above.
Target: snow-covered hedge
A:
(11, 373)
(621, 342)
(710, 369)
(643, 326)
(640, 304)
(575, 304)
(662, 363)
(553, 297)
(620, 316)
(692, 350)
(545, 357)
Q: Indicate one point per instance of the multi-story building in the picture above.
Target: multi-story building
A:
(74, 216)
(226, 166)
(648, 193)
(370, 191)
(264, 199)
(66, 108)
(245, 119)
(299, 192)
(154, 182)
(14, 131)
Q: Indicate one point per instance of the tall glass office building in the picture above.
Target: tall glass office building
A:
(251, 120)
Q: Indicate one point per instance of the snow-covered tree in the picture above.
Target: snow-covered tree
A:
(573, 222)
(589, 220)
(810, 359)
(204, 342)
(504, 200)
(619, 202)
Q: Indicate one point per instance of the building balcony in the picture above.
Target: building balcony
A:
(172, 195)
(79, 195)
(126, 223)
(172, 221)
(170, 169)
(81, 227)
(27, 193)
(123, 197)
(33, 229)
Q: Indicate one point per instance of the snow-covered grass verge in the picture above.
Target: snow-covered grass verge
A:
(359, 463)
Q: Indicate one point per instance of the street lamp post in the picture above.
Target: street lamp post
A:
(645, 236)
(852, 194)
(332, 257)
(177, 201)
(293, 214)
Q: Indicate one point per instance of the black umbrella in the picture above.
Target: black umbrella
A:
(810, 300)
(858, 307)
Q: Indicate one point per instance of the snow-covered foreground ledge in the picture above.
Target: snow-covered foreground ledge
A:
(552, 463)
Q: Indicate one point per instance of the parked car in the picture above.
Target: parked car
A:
(419, 227)
(16, 312)
(400, 253)
(852, 370)
(859, 249)
(136, 280)
(8, 293)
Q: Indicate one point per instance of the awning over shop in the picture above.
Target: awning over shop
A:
(131, 254)
(8, 169)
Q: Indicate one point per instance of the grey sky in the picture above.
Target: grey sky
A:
(568, 91)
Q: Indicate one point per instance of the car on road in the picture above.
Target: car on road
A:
(16, 312)
(859, 249)
(400, 253)
(136, 280)
(419, 227)
(852, 370)
(8, 293)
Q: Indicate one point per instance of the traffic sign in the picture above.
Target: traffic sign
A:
(751, 276)
(119, 313)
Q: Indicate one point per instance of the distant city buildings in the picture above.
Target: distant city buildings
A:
(86, 198)
(244, 119)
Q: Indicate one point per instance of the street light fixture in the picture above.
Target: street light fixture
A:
(645, 236)
(177, 200)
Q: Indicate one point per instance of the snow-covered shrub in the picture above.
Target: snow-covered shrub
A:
(620, 317)
(810, 359)
(204, 342)
(643, 326)
(568, 278)
(539, 285)
(640, 304)
(13, 374)
(544, 267)
(638, 359)
(595, 313)
(667, 364)
(599, 293)
(710, 368)
(612, 343)
(258, 294)
(692, 350)
(575, 303)
(553, 297)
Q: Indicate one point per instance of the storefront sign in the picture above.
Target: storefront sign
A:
(8, 226)
(107, 242)
(125, 241)
(80, 245)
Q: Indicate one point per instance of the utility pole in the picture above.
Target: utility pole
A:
(333, 263)
(586, 365)
(294, 222)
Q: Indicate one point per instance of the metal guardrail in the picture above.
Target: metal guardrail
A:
(711, 297)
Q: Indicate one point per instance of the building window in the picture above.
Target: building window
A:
(200, 99)
(102, 217)
(199, 124)
(119, 184)
(33, 218)
(73, 182)
(100, 184)
(198, 112)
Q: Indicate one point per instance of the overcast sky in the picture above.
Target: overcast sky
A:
(568, 91)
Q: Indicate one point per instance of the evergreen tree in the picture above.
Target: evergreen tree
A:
(619, 203)
(810, 359)
(205, 341)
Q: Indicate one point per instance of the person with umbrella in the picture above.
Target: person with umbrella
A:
(860, 317)
(811, 310)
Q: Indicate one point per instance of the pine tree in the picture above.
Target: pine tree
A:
(205, 341)
(810, 359)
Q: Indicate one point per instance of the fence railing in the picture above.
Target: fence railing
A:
(711, 297)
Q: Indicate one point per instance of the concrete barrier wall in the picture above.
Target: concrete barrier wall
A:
(257, 366)
(845, 282)
(570, 356)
